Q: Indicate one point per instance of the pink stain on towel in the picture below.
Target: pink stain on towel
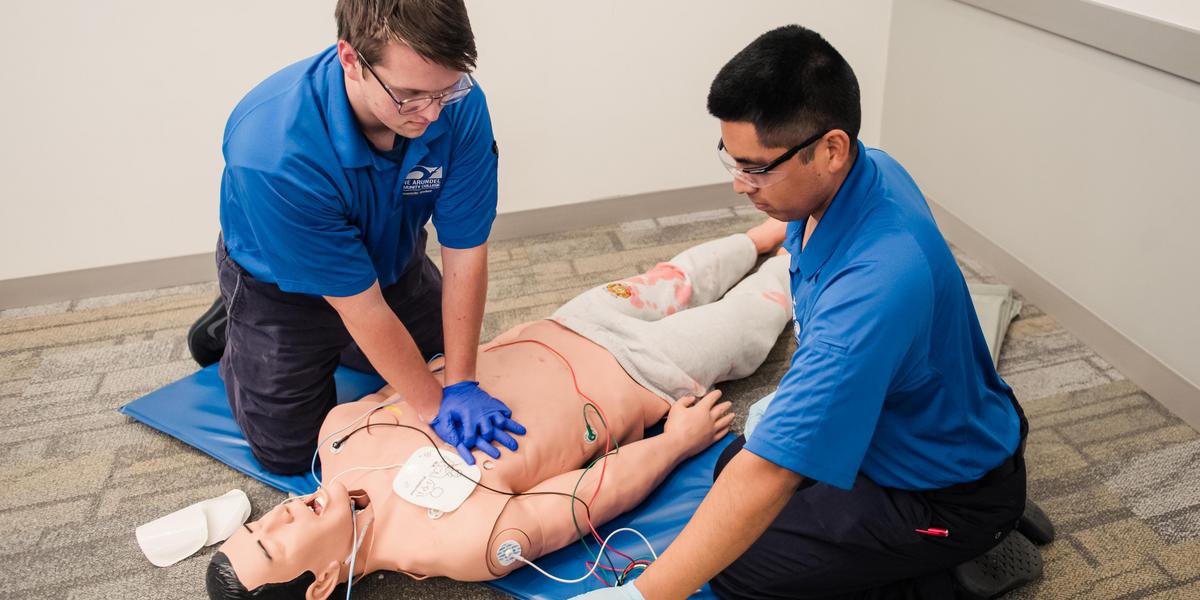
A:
(777, 298)
(635, 298)
(661, 272)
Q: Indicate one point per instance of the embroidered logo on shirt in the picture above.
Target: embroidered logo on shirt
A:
(423, 179)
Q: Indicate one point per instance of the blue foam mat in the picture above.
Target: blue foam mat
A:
(195, 411)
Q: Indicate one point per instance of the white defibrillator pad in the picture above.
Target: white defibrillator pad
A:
(426, 480)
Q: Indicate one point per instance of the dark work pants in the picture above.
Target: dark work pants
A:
(283, 348)
(862, 544)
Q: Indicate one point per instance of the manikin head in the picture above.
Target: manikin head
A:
(403, 50)
(299, 549)
(789, 88)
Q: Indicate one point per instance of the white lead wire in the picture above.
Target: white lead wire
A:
(597, 563)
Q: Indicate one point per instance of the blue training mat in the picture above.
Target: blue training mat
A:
(195, 411)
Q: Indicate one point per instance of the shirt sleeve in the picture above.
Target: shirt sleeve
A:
(303, 233)
(863, 325)
(466, 208)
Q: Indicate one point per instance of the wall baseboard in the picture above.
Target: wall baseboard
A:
(103, 281)
(610, 211)
(197, 268)
(1171, 389)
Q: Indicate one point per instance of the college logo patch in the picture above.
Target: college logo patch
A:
(422, 179)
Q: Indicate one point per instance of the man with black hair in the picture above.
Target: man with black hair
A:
(892, 450)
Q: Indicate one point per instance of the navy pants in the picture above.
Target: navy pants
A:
(283, 348)
(862, 543)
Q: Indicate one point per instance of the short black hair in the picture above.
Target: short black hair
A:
(223, 584)
(790, 84)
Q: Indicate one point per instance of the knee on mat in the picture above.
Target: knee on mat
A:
(282, 462)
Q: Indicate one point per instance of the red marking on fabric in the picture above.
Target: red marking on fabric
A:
(683, 294)
(777, 298)
(663, 272)
(635, 297)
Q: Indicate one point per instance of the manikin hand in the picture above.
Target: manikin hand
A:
(624, 592)
(471, 418)
(698, 424)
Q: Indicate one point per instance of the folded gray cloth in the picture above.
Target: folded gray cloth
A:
(996, 308)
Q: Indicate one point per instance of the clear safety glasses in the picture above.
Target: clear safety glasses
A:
(766, 175)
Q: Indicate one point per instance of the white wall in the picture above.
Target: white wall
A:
(113, 110)
(600, 99)
(1080, 164)
(1185, 13)
(112, 118)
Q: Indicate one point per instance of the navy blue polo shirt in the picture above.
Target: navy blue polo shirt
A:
(307, 205)
(891, 377)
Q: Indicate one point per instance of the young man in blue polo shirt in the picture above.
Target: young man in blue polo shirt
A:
(892, 449)
(334, 166)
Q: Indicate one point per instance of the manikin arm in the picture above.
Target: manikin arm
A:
(544, 523)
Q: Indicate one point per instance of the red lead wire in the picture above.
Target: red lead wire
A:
(935, 531)
(608, 442)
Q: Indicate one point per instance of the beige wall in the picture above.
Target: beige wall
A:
(600, 99)
(1080, 164)
(1185, 13)
(113, 110)
(112, 120)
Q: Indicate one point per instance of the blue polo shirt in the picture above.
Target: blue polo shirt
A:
(891, 377)
(307, 205)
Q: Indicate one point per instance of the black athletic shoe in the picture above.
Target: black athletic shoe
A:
(1035, 524)
(206, 338)
(1010, 565)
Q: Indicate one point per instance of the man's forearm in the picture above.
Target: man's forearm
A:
(390, 348)
(464, 292)
(745, 499)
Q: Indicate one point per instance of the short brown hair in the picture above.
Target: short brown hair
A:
(438, 30)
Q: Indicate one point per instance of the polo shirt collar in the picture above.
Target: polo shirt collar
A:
(844, 211)
(351, 146)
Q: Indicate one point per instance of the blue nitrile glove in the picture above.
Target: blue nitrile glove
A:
(471, 418)
(624, 592)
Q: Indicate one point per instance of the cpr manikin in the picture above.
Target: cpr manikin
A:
(637, 350)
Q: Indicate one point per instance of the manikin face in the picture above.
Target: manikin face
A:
(803, 189)
(407, 75)
(309, 534)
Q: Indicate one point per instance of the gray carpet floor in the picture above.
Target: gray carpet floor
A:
(1118, 474)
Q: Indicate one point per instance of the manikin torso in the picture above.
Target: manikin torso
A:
(538, 387)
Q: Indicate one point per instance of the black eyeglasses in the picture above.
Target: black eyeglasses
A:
(763, 176)
(414, 105)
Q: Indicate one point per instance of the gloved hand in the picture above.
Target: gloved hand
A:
(471, 418)
(624, 592)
